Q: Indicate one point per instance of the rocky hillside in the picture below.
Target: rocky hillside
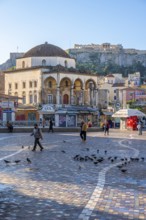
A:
(109, 58)
(11, 62)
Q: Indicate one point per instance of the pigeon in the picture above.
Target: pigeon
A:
(22, 146)
(105, 151)
(7, 161)
(63, 151)
(142, 158)
(80, 167)
(95, 162)
(28, 160)
(112, 160)
(123, 170)
(76, 157)
(97, 151)
(120, 166)
(109, 158)
(87, 149)
(64, 141)
(17, 161)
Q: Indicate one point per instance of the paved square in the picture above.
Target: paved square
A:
(72, 179)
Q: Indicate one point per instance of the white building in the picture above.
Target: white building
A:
(46, 75)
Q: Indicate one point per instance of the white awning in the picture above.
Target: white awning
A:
(125, 113)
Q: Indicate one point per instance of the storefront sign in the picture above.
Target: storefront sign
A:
(47, 108)
(7, 104)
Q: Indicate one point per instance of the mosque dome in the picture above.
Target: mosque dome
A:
(46, 50)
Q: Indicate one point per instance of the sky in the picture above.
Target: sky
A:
(25, 24)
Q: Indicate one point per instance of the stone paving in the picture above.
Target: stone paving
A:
(56, 186)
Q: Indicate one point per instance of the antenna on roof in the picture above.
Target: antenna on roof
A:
(17, 49)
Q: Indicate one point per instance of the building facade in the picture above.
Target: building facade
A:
(46, 75)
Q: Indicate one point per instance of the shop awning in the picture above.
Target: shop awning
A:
(125, 113)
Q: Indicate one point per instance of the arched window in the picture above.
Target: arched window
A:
(43, 62)
(65, 99)
(65, 63)
(66, 83)
(24, 100)
(50, 84)
(35, 98)
(30, 98)
(23, 64)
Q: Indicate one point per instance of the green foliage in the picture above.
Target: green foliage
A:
(105, 68)
(11, 68)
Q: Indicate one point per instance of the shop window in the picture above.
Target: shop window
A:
(50, 99)
(31, 116)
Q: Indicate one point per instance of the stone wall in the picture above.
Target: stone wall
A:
(121, 57)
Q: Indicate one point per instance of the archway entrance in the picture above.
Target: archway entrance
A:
(65, 99)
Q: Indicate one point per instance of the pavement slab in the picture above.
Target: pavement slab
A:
(57, 186)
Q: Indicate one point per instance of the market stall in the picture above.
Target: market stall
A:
(128, 118)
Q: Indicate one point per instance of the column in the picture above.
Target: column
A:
(58, 95)
(83, 95)
(58, 90)
(72, 95)
(96, 97)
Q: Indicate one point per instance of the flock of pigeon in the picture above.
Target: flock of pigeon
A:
(97, 159)
(8, 162)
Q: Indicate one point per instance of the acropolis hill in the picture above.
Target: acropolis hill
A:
(107, 52)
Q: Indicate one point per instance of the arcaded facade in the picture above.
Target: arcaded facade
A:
(44, 75)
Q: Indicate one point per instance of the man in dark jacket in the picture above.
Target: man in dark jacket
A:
(51, 126)
(37, 135)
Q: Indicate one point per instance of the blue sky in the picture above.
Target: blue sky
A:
(28, 23)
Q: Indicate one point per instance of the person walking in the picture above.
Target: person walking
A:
(139, 127)
(106, 128)
(81, 133)
(51, 126)
(44, 122)
(37, 136)
(84, 131)
(9, 126)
